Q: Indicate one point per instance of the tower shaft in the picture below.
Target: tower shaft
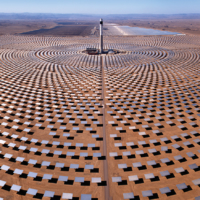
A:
(101, 35)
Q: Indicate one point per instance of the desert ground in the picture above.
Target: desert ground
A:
(46, 28)
(81, 28)
(98, 127)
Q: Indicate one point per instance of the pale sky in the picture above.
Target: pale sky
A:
(101, 7)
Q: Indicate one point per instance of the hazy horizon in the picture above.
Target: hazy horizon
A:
(98, 13)
(101, 7)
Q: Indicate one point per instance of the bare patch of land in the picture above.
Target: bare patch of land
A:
(18, 26)
(63, 31)
(48, 27)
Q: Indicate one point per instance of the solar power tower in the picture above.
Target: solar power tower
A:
(101, 35)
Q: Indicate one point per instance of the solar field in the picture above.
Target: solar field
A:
(99, 127)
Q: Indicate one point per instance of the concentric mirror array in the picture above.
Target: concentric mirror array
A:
(96, 127)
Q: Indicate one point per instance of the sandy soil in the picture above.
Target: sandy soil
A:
(84, 28)
(69, 30)
(16, 27)
(49, 27)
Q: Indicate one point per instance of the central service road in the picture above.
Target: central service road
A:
(105, 162)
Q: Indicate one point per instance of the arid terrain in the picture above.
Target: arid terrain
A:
(87, 28)
(98, 127)
(20, 26)
(48, 28)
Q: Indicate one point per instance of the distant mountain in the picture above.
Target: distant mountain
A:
(153, 16)
(43, 16)
(50, 16)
